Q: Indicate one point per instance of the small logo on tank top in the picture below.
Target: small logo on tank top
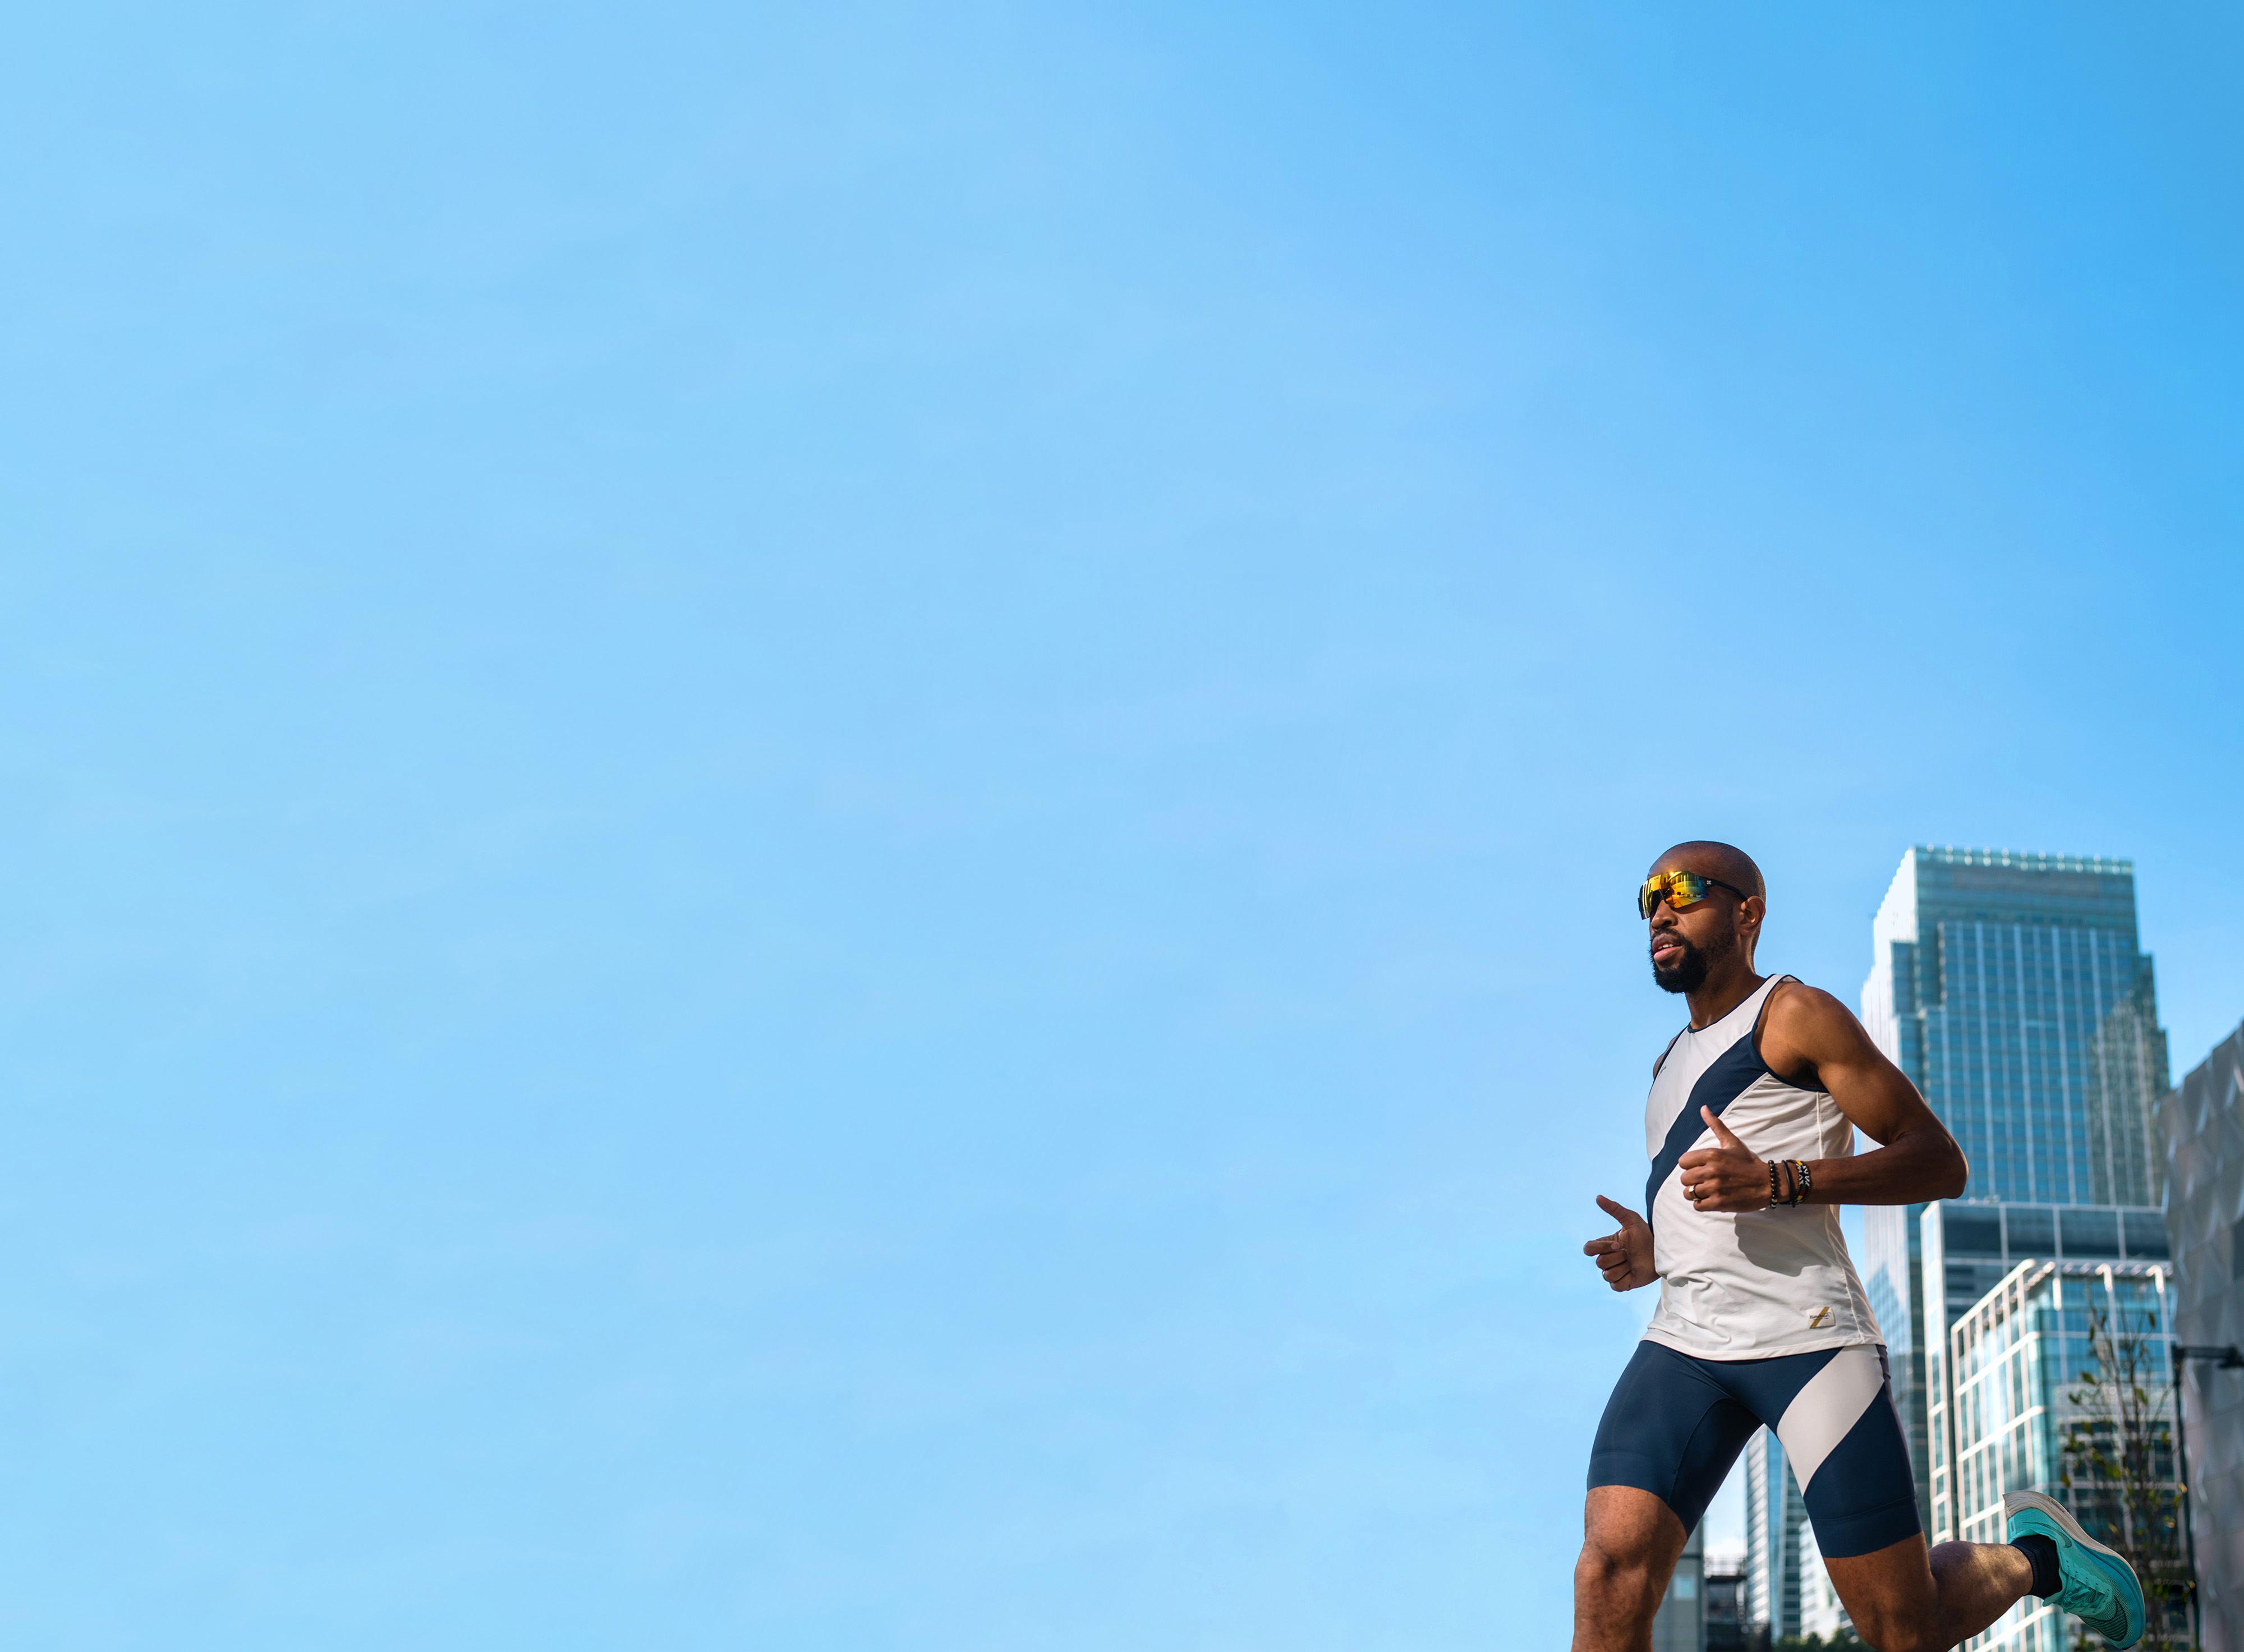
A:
(1816, 1319)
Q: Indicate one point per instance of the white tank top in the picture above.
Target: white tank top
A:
(1749, 1284)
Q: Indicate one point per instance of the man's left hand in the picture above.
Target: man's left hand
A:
(1723, 1178)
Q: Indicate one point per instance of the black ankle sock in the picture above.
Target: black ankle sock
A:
(2042, 1551)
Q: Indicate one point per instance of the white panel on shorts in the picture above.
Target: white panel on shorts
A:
(1832, 1403)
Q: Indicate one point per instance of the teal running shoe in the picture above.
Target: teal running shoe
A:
(2099, 1587)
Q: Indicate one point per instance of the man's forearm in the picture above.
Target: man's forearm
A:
(1908, 1170)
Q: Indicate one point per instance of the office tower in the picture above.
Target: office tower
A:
(1823, 1613)
(1681, 1623)
(2010, 989)
(1774, 1517)
(2018, 1358)
(2203, 1123)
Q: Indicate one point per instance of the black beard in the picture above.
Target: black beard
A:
(1690, 975)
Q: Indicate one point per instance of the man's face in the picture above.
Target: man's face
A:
(1687, 944)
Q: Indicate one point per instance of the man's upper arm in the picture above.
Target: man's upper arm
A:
(1809, 1030)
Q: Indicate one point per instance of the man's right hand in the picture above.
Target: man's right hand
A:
(1624, 1257)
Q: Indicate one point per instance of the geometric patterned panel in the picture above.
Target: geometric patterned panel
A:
(2202, 1122)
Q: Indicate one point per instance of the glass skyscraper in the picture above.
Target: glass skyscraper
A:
(1776, 1517)
(2011, 989)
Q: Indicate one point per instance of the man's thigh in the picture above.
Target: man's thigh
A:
(1671, 1429)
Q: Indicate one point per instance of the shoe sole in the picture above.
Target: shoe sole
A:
(2015, 1502)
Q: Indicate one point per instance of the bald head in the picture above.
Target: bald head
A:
(1708, 940)
(1709, 860)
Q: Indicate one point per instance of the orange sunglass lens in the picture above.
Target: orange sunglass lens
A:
(1678, 889)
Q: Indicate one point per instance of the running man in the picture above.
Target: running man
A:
(1761, 1319)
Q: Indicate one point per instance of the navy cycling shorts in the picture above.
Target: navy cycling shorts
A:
(1674, 1425)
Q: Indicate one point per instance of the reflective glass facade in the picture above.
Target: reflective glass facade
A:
(2017, 1358)
(2010, 989)
(1776, 1519)
(1823, 1613)
(1972, 1248)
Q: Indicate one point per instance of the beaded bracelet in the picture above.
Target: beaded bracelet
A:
(1796, 1176)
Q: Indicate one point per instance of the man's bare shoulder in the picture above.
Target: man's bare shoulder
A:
(1809, 1019)
(1796, 997)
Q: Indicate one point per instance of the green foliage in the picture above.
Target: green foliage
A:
(2119, 1472)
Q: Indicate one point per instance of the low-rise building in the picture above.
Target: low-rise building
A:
(1724, 1587)
(1969, 1246)
(1681, 1623)
(2015, 1364)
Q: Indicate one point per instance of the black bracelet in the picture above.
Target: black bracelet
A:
(1772, 1184)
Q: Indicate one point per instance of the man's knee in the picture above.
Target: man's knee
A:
(1625, 1574)
(1626, 1530)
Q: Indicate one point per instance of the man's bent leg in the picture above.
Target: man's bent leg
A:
(1670, 1432)
(1842, 1437)
(1903, 1599)
(1630, 1543)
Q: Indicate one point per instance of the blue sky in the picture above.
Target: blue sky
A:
(824, 816)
